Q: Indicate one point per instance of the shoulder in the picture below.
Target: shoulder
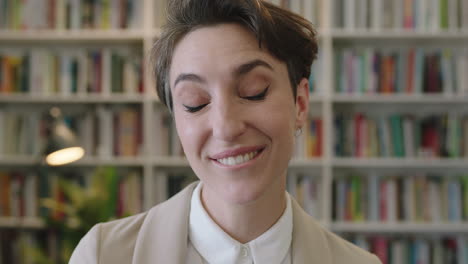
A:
(118, 236)
(343, 251)
(316, 242)
(114, 241)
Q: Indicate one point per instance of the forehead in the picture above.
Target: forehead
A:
(214, 51)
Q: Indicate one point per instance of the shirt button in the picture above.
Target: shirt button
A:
(245, 251)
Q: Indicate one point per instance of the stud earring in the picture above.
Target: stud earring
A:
(298, 131)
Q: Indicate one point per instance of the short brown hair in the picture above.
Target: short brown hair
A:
(287, 36)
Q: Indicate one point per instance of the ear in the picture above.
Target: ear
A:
(302, 103)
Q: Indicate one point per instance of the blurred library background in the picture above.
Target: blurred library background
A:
(383, 161)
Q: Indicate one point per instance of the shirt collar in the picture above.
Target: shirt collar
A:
(215, 246)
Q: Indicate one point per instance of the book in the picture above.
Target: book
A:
(403, 248)
(401, 135)
(349, 9)
(452, 14)
(376, 14)
(415, 15)
(69, 14)
(106, 136)
(411, 197)
(309, 143)
(127, 141)
(68, 72)
(366, 70)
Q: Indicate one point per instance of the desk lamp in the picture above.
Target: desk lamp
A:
(62, 146)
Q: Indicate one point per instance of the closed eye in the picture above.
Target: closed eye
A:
(193, 109)
(259, 96)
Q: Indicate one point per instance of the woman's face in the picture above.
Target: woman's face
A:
(234, 112)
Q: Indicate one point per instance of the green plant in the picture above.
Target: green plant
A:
(82, 207)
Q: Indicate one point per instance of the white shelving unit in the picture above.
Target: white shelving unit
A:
(336, 37)
(65, 36)
(400, 228)
(326, 100)
(23, 223)
(142, 38)
(398, 34)
(399, 99)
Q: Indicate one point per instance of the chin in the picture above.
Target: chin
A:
(243, 192)
(242, 197)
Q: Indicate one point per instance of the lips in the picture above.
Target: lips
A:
(239, 159)
(236, 152)
(237, 156)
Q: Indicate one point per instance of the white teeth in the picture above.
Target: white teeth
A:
(231, 161)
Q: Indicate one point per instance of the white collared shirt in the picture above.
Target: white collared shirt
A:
(216, 247)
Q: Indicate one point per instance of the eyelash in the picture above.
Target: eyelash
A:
(257, 97)
(194, 109)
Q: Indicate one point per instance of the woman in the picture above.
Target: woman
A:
(234, 76)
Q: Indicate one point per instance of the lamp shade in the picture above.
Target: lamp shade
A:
(62, 146)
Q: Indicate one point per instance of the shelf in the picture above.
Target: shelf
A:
(316, 98)
(28, 161)
(400, 162)
(297, 163)
(401, 98)
(138, 98)
(162, 162)
(323, 103)
(71, 99)
(111, 35)
(181, 162)
(170, 162)
(398, 227)
(19, 161)
(21, 222)
(398, 35)
(111, 161)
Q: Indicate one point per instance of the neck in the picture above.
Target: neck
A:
(245, 222)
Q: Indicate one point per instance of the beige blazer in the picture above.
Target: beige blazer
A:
(161, 236)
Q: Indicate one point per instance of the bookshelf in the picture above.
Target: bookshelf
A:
(156, 167)
(395, 30)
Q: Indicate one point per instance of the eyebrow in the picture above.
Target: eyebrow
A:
(189, 77)
(249, 66)
(238, 71)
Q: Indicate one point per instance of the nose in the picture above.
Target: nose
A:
(228, 121)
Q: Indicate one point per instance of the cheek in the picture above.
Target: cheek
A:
(190, 135)
(281, 119)
(277, 121)
(284, 131)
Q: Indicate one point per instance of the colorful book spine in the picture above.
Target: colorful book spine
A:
(306, 189)
(400, 71)
(70, 72)
(309, 9)
(408, 198)
(309, 143)
(416, 15)
(414, 249)
(71, 14)
(104, 132)
(401, 135)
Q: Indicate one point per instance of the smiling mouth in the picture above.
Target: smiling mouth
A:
(239, 159)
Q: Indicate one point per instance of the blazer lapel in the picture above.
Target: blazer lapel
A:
(163, 237)
(308, 243)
